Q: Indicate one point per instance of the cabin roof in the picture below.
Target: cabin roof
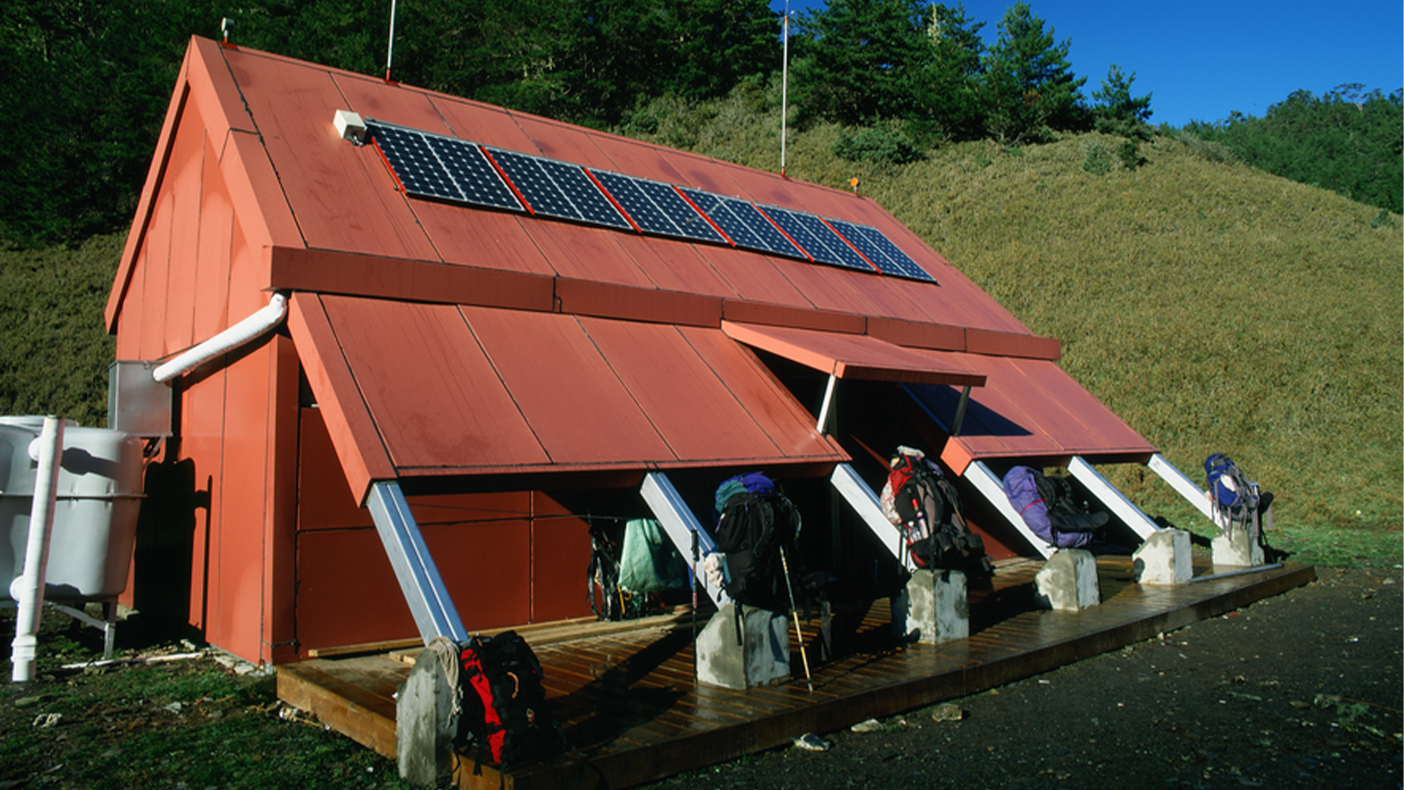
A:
(444, 339)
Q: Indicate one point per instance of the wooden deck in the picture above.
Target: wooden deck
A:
(630, 706)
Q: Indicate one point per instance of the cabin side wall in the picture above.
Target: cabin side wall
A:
(507, 557)
(208, 548)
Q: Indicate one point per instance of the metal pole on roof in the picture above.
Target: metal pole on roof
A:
(784, 87)
(390, 48)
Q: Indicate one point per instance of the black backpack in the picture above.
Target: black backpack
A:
(754, 526)
(504, 705)
(1066, 512)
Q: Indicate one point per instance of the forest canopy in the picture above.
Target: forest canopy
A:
(90, 80)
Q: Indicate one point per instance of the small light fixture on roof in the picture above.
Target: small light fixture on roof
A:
(350, 126)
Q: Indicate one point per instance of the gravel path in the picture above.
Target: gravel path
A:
(1300, 690)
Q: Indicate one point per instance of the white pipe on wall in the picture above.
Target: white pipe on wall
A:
(28, 588)
(231, 338)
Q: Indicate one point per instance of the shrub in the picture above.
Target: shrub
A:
(884, 144)
(1097, 162)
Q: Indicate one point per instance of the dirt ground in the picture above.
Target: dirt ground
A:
(1299, 690)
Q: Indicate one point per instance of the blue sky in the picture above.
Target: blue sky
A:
(1202, 60)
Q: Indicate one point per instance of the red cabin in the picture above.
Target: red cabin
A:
(474, 369)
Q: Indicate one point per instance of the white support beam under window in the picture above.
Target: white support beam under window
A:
(865, 503)
(992, 489)
(1115, 501)
(682, 527)
(1186, 487)
(423, 587)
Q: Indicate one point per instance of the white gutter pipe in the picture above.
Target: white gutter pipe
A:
(28, 588)
(231, 338)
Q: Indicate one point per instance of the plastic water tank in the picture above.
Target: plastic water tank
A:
(95, 514)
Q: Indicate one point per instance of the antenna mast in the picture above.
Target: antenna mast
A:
(784, 87)
(390, 49)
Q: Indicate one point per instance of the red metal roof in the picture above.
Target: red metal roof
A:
(443, 339)
(855, 356)
(413, 390)
(1031, 408)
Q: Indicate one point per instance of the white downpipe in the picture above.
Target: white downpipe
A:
(28, 588)
(231, 338)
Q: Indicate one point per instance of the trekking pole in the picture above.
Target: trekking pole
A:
(785, 567)
(695, 582)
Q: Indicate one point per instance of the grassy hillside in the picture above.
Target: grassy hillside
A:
(54, 350)
(1214, 307)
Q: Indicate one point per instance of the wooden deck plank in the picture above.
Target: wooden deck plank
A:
(629, 702)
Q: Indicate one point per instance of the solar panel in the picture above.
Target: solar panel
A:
(475, 176)
(816, 238)
(881, 251)
(593, 205)
(635, 203)
(688, 222)
(417, 168)
(447, 168)
(535, 184)
(743, 223)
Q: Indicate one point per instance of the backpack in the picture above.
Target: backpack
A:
(925, 508)
(1234, 497)
(504, 705)
(756, 522)
(1051, 509)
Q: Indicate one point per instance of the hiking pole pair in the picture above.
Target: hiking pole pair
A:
(785, 567)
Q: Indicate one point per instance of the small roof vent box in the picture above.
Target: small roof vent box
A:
(350, 126)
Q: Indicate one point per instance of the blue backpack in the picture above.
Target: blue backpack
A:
(1228, 487)
(1234, 496)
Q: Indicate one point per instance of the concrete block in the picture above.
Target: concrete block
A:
(425, 724)
(1164, 558)
(1068, 581)
(932, 608)
(1238, 547)
(743, 647)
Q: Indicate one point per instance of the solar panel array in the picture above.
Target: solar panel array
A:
(446, 168)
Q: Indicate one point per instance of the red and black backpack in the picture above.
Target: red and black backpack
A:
(504, 705)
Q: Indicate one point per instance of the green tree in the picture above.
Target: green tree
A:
(948, 85)
(85, 90)
(1116, 110)
(1349, 140)
(1029, 86)
(859, 60)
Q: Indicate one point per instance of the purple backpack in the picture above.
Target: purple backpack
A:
(1021, 486)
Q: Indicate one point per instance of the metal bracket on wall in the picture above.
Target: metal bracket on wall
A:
(680, 525)
(1115, 501)
(423, 587)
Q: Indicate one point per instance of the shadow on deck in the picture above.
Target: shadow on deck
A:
(632, 710)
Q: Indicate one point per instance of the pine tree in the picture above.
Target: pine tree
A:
(948, 89)
(1029, 86)
(1118, 112)
(859, 60)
